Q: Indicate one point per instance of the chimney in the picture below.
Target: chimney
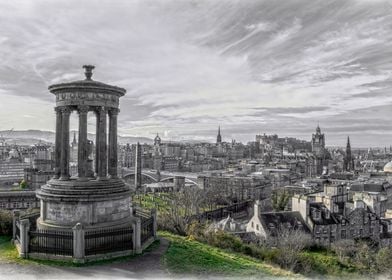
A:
(257, 207)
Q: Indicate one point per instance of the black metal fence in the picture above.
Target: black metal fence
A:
(108, 240)
(147, 229)
(51, 242)
(224, 211)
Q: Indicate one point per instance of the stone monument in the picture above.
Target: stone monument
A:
(99, 200)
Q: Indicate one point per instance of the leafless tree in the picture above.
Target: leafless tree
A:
(184, 204)
(290, 243)
(344, 249)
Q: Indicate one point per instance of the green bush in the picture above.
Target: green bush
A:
(5, 222)
(224, 240)
(23, 184)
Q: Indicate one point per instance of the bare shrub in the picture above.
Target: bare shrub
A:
(344, 249)
(289, 242)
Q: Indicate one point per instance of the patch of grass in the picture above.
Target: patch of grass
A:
(186, 256)
(326, 263)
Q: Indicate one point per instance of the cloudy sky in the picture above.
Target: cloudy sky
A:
(188, 66)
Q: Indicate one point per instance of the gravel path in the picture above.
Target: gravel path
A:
(147, 266)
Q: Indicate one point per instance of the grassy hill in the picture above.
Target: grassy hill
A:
(190, 257)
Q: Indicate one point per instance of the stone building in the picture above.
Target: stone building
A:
(236, 188)
(321, 156)
(269, 224)
(331, 216)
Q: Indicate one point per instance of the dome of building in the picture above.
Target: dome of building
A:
(388, 167)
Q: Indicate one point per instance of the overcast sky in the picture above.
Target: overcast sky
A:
(188, 66)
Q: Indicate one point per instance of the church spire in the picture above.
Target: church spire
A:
(219, 137)
(348, 163)
(318, 130)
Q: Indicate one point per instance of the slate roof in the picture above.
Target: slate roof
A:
(369, 187)
(325, 220)
(272, 221)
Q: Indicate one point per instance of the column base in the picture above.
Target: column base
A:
(102, 178)
(64, 178)
(82, 179)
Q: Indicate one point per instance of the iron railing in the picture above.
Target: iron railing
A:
(108, 240)
(51, 242)
(221, 213)
(147, 229)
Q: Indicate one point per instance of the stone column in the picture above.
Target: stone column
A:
(24, 238)
(82, 145)
(102, 158)
(57, 154)
(15, 218)
(78, 244)
(155, 224)
(64, 164)
(137, 234)
(96, 142)
(113, 143)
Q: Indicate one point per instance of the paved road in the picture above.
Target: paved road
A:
(147, 266)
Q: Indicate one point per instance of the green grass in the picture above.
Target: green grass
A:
(186, 256)
(150, 201)
(326, 263)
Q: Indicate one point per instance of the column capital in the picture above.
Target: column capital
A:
(83, 109)
(114, 111)
(102, 109)
(65, 110)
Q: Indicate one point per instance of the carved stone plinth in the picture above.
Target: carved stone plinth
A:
(94, 203)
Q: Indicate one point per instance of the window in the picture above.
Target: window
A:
(253, 225)
(257, 227)
(343, 234)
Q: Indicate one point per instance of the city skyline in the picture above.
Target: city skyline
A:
(250, 67)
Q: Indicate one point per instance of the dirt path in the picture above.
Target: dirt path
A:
(147, 266)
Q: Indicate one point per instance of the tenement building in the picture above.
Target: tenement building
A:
(331, 216)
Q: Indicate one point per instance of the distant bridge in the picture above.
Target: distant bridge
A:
(151, 176)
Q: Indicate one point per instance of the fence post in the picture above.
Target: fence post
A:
(154, 222)
(78, 244)
(15, 218)
(24, 238)
(137, 234)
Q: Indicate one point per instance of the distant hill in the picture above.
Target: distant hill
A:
(30, 137)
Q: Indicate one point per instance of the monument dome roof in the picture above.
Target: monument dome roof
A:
(388, 167)
(87, 84)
